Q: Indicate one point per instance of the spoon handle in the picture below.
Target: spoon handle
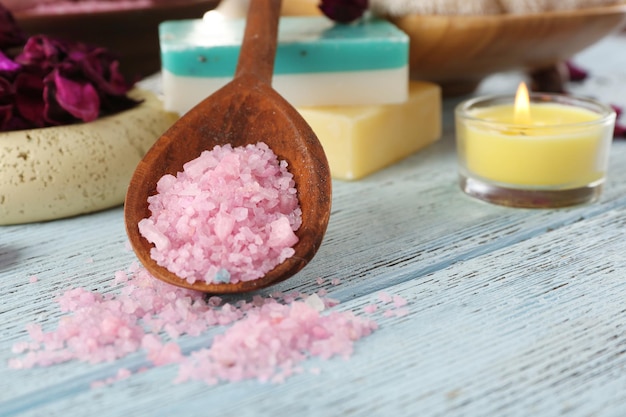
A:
(258, 48)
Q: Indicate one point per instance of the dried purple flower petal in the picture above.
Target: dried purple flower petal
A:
(8, 67)
(29, 98)
(617, 109)
(343, 11)
(6, 91)
(575, 72)
(7, 96)
(80, 99)
(102, 69)
(42, 52)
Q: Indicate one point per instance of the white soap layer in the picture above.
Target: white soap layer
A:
(181, 93)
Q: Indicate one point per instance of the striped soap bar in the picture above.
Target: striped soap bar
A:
(318, 62)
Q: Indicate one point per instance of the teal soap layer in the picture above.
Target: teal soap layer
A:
(306, 45)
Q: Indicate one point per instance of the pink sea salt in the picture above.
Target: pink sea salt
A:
(385, 297)
(272, 340)
(370, 308)
(266, 338)
(120, 375)
(399, 301)
(229, 216)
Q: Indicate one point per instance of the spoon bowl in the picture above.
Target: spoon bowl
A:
(245, 111)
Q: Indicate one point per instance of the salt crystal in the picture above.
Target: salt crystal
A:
(315, 302)
(399, 301)
(384, 297)
(33, 278)
(330, 302)
(121, 374)
(370, 308)
(229, 216)
(401, 312)
(222, 276)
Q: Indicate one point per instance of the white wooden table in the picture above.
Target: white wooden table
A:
(512, 312)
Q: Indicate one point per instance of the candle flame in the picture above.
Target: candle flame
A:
(521, 112)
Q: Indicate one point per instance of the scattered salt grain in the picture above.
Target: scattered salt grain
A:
(385, 297)
(335, 281)
(266, 338)
(399, 301)
(229, 216)
(370, 308)
(315, 371)
(395, 305)
(315, 302)
(120, 375)
(33, 279)
(401, 312)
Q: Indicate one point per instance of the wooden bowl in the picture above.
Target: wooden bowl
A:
(457, 52)
(132, 34)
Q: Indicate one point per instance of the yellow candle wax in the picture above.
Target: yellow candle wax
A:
(556, 146)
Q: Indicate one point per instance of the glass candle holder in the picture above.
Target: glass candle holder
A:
(555, 156)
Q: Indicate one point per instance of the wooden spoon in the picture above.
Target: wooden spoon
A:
(246, 110)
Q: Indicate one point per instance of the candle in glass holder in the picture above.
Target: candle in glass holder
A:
(533, 150)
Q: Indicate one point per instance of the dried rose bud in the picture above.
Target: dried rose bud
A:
(343, 11)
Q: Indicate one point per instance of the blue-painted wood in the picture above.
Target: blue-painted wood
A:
(512, 312)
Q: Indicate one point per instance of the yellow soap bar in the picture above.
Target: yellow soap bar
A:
(360, 140)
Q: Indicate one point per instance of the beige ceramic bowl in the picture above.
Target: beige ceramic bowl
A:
(131, 33)
(458, 51)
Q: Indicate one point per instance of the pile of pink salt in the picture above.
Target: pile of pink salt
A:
(266, 338)
(274, 339)
(229, 216)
